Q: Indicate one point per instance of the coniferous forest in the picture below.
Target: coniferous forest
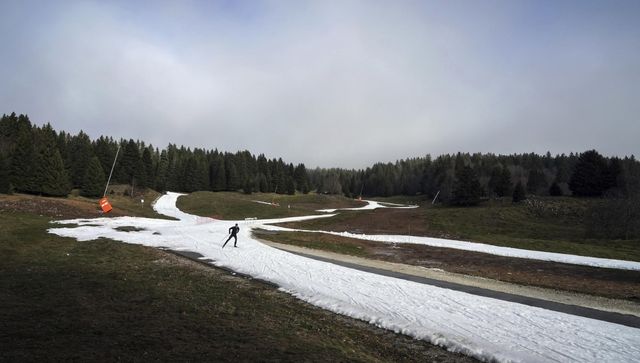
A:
(39, 160)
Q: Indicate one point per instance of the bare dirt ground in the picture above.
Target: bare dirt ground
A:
(49, 207)
(56, 208)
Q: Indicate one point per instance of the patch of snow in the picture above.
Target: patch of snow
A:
(481, 247)
(371, 204)
(484, 328)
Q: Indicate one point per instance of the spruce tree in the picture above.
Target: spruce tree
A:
(94, 179)
(301, 178)
(190, 180)
(494, 179)
(162, 174)
(504, 184)
(588, 175)
(147, 168)
(500, 181)
(51, 170)
(22, 170)
(555, 190)
(5, 184)
(291, 186)
(233, 179)
(536, 181)
(79, 153)
(130, 165)
(218, 175)
(105, 149)
(611, 174)
(263, 185)
(467, 188)
(51, 177)
(248, 186)
(518, 193)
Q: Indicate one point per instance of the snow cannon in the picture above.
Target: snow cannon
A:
(105, 205)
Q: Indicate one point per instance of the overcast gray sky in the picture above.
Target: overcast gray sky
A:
(331, 83)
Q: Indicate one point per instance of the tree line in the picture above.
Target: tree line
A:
(465, 179)
(39, 160)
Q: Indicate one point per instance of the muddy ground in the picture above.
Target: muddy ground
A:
(56, 208)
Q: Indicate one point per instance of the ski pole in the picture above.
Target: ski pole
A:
(223, 240)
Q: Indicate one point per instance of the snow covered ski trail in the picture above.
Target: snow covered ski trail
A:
(481, 327)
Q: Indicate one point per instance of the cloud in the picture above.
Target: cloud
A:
(331, 83)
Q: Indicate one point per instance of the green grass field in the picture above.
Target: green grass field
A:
(230, 205)
(63, 300)
(124, 204)
(550, 224)
(546, 224)
(104, 300)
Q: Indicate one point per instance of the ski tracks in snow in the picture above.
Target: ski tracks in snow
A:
(481, 327)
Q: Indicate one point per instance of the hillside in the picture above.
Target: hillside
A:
(104, 300)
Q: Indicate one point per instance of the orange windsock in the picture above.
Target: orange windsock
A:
(105, 205)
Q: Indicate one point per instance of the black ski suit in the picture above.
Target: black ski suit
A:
(233, 233)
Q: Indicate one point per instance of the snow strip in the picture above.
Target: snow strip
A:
(480, 247)
(484, 328)
(371, 204)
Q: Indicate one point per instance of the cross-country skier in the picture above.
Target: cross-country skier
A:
(233, 233)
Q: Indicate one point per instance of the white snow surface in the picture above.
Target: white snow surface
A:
(480, 247)
(485, 328)
(371, 204)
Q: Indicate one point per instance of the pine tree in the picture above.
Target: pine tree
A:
(301, 178)
(22, 169)
(611, 174)
(94, 179)
(50, 177)
(504, 184)
(494, 179)
(147, 168)
(105, 149)
(248, 186)
(79, 153)
(233, 179)
(190, 180)
(555, 190)
(500, 181)
(518, 193)
(588, 175)
(536, 181)
(218, 175)
(291, 186)
(467, 189)
(131, 169)
(263, 185)
(163, 170)
(51, 170)
(5, 185)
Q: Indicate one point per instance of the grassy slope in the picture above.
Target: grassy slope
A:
(553, 224)
(125, 205)
(557, 225)
(229, 205)
(104, 300)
